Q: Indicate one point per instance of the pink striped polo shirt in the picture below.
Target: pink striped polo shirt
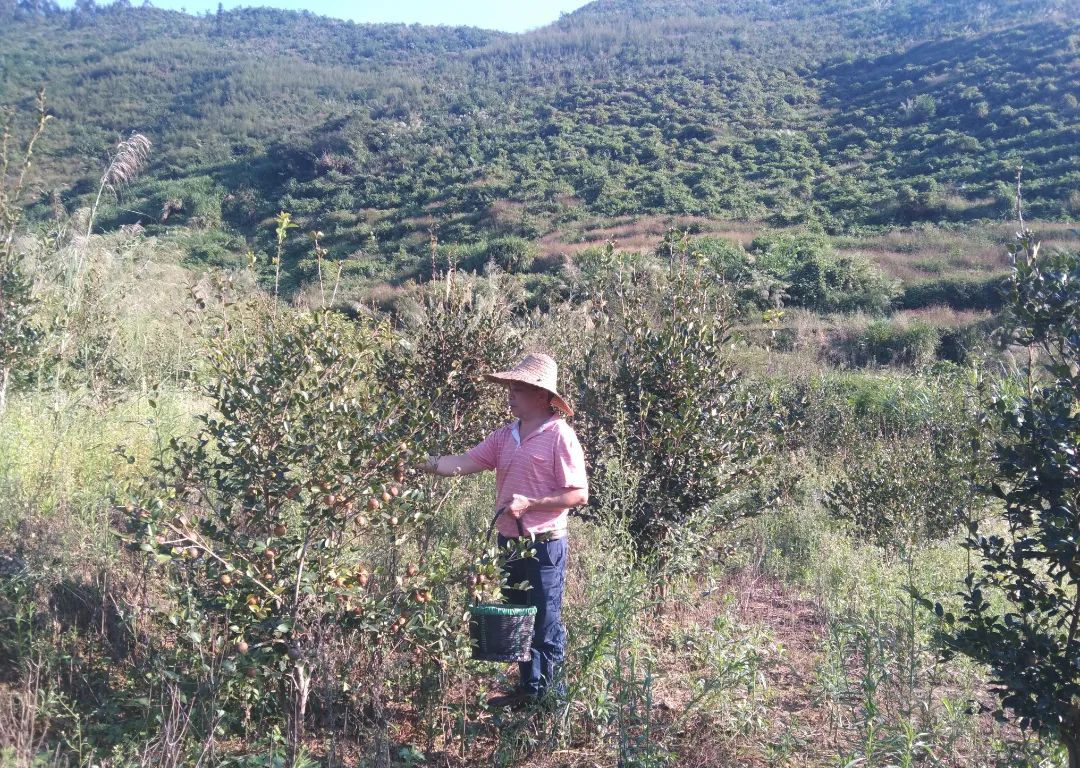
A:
(549, 461)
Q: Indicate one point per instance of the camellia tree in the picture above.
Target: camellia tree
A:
(658, 380)
(458, 333)
(1021, 611)
(282, 530)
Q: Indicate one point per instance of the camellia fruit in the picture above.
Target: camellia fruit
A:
(412, 569)
(373, 504)
(242, 647)
(225, 579)
(280, 530)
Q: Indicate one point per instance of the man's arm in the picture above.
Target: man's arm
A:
(451, 466)
(564, 499)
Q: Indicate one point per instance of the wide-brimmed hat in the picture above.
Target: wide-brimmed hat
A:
(540, 371)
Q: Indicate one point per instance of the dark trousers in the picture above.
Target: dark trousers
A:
(546, 574)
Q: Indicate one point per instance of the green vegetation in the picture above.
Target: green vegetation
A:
(1029, 642)
(256, 574)
(765, 244)
(18, 336)
(378, 134)
(663, 411)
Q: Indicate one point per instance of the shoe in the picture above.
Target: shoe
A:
(514, 700)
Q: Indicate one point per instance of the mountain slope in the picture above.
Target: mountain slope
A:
(842, 114)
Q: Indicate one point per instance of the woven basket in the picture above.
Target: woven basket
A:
(501, 632)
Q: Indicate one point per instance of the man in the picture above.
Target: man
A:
(539, 475)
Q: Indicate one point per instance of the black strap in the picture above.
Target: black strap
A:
(520, 527)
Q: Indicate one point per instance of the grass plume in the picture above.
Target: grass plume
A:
(130, 157)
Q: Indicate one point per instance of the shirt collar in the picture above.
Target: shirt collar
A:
(515, 430)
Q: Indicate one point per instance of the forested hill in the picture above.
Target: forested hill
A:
(841, 113)
(866, 27)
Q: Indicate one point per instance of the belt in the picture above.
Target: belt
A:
(540, 538)
(546, 536)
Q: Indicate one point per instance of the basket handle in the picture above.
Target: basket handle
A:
(491, 528)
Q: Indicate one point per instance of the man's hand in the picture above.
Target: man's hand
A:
(518, 506)
(428, 466)
(564, 499)
(449, 466)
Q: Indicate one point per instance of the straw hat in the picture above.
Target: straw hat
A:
(540, 371)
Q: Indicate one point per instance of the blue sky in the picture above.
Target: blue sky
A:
(507, 15)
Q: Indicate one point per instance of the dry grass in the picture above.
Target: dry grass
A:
(944, 317)
(910, 254)
(918, 253)
(638, 233)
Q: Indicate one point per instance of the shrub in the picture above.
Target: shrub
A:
(212, 248)
(462, 328)
(887, 342)
(818, 278)
(657, 377)
(953, 292)
(511, 254)
(827, 413)
(278, 529)
(195, 200)
(19, 338)
(592, 269)
(902, 493)
(753, 288)
(966, 343)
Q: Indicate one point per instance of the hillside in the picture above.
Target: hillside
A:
(843, 115)
(826, 396)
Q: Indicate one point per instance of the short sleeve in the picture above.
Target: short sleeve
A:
(569, 461)
(486, 453)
